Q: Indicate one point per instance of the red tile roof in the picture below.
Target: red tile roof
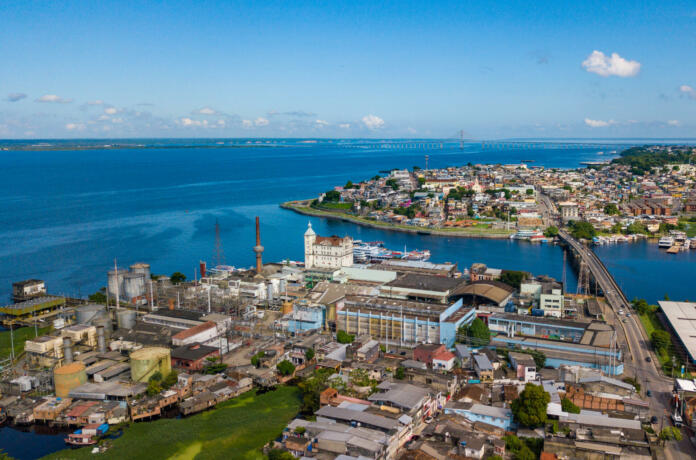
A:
(194, 330)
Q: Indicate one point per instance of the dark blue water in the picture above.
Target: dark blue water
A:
(34, 443)
(67, 214)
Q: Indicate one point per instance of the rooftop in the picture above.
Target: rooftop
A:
(682, 317)
(426, 282)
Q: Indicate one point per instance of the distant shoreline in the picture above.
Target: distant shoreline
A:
(302, 207)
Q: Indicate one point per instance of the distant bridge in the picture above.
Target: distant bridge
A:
(496, 144)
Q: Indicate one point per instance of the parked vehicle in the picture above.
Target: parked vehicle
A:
(649, 393)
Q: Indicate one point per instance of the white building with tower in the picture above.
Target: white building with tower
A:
(327, 251)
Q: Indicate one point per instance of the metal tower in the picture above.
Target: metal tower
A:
(258, 249)
(219, 254)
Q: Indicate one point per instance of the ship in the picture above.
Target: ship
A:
(529, 235)
(375, 250)
(665, 242)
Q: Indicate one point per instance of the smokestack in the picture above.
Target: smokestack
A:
(67, 351)
(203, 267)
(258, 249)
(101, 342)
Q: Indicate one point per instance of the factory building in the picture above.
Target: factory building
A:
(130, 285)
(424, 288)
(28, 289)
(681, 316)
(402, 322)
(330, 252)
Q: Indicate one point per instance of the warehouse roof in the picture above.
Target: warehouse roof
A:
(494, 291)
(682, 317)
(426, 282)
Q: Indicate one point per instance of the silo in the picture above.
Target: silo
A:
(125, 319)
(116, 281)
(287, 308)
(283, 286)
(269, 292)
(147, 361)
(67, 377)
(87, 313)
(142, 268)
(133, 285)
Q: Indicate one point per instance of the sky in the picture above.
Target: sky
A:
(596, 69)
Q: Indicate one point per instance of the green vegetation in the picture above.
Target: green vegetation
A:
(476, 333)
(20, 336)
(611, 209)
(670, 433)
(349, 185)
(309, 354)
(344, 337)
(523, 448)
(637, 228)
(530, 408)
(641, 160)
(177, 277)
(529, 191)
(581, 230)
(496, 191)
(400, 373)
(331, 196)
(568, 406)
(285, 367)
(237, 428)
(280, 454)
(409, 212)
(335, 206)
(634, 382)
(513, 278)
(551, 231)
(392, 183)
(659, 336)
(98, 297)
(311, 388)
(256, 359)
(460, 193)
(214, 365)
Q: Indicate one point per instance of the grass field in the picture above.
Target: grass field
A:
(20, 336)
(237, 429)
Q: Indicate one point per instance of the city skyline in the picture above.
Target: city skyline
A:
(337, 70)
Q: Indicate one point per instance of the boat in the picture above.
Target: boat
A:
(527, 234)
(87, 435)
(673, 250)
(665, 242)
(375, 250)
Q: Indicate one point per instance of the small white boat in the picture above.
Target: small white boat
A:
(665, 242)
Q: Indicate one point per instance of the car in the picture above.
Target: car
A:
(403, 353)
(648, 358)
(428, 419)
(653, 419)
(649, 393)
(628, 315)
(623, 320)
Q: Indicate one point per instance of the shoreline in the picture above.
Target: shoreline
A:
(302, 207)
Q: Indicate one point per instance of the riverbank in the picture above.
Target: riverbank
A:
(303, 207)
(238, 428)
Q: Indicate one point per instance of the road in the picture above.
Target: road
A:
(639, 361)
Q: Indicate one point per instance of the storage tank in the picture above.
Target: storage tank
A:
(269, 292)
(283, 287)
(67, 377)
(125, 319)
(142, 268)
(287, 308)
(133, 285)
(116, 280)
(147, 361)
(87, 313)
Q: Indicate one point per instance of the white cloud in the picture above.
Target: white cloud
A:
(110, 110)
(688, 90)
(221, 122)
(372, 121)
(673, 123)
(97, 102)
(191, 122)
(75, 126)
(247, 123)
(613, 65)
(207, 111)
(598, 123)
(321, 123)
(53, 98)
(261, 121)
(344, 126)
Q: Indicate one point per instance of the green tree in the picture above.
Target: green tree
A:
(256, 359)
(177, 277)
(551, 231)
(98, 297)
(400, 373)
(311, 387)
(348, 185)
(611, 209)
(392, 183)
(170, 380)
(479, 332)
(344, 337)
(513, 278)
(214, 365)
(530, 408)
(332, 196)
(529, 191)
(285, 367)
(582, 230)
(637, 228)
(660, 339)
(669, 433)
(153, 388)
(568, 406)
(309, 354)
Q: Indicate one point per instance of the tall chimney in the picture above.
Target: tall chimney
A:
(101, 342)
(67, 351)
(258, 249)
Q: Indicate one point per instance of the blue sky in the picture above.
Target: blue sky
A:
(347, 69)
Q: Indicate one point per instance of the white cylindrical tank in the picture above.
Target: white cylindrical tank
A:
(283, 286)
(269, 292)
(116, 282)
(87, 313)
(142, 268)
(125, 319)
(133, 285)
